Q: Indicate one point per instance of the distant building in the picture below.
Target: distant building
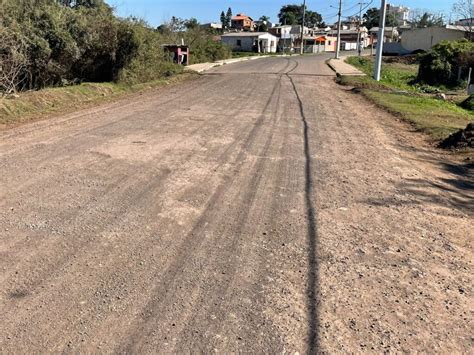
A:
(400, 13)
(242, 22)
(349, 38)
(290, 36)
(390, 34)
(259, 42)
(212, 25)
(422, 39)
(468, 22)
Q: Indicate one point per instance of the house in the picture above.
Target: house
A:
(422, 39)
(259, 42)
(242, 22)
(289, 36)
(349, 38)
(323, 43)
(467, 22)
(390, 34)
(212, 26)
(400, 13)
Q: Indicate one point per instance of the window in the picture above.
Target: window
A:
(239, 42)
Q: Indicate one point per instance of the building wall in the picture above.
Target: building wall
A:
(330, 45)
(425, 38)
(269, 43)
(246, 43)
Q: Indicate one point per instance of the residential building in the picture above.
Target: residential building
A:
(390, 34)
(259, 42)
(349, 38)
(422, 39)
(242, 22)
(290, 36)
(400, 13)
(323, 43)
(468, 22)
(212, 25)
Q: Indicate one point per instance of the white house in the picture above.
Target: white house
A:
(424, 38)
(260, 42)
(401, 13)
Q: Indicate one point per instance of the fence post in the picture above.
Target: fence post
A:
(470, 88)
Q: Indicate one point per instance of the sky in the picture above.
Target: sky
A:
(156, 12)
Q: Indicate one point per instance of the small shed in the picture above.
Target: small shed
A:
(178, 53)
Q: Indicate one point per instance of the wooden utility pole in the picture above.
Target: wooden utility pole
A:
(302, 28)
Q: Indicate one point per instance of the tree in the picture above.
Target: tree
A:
(14, 61)
(223, 21)
(372, 18)
(293, 15)
(191, 24)
(228, 17)
(427, 20)
(263, 24)
(465, 10)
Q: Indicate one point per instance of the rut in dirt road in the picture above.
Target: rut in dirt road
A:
(260, 208)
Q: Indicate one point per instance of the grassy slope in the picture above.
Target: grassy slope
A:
(435, 117)
(37, 104)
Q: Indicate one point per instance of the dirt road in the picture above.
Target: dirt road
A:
(260, 208)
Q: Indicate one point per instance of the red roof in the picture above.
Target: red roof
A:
(241, 17)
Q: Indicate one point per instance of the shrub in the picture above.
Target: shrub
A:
(58, 42)
(447, 63)
(468, 104)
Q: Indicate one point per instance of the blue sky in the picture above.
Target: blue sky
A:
(158, 11)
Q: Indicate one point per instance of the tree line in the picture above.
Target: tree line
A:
(63, 42)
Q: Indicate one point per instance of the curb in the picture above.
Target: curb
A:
(234, 60)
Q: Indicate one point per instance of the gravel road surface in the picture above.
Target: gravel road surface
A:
(260, 208)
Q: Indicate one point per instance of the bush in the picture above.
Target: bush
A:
(468, 104)
(447, 63)
(59, 42)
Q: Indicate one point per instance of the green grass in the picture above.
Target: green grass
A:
(434, 117)
(38, 104)
(397, 76)
(395, 93)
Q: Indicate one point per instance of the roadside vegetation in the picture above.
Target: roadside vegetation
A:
(431, 95)
(36, 104)
(64, 44)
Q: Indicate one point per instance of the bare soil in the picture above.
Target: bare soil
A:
(261, 208)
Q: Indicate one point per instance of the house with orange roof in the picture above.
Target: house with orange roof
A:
(242, 22)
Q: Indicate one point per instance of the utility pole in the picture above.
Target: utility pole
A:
(338, 43)
(302, 28)
(378, 54)
(359, 49)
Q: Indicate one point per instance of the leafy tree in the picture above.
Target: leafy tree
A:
(60, 42)
(372, 18)
(191, 24)
(293, 15)
(263, 23)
